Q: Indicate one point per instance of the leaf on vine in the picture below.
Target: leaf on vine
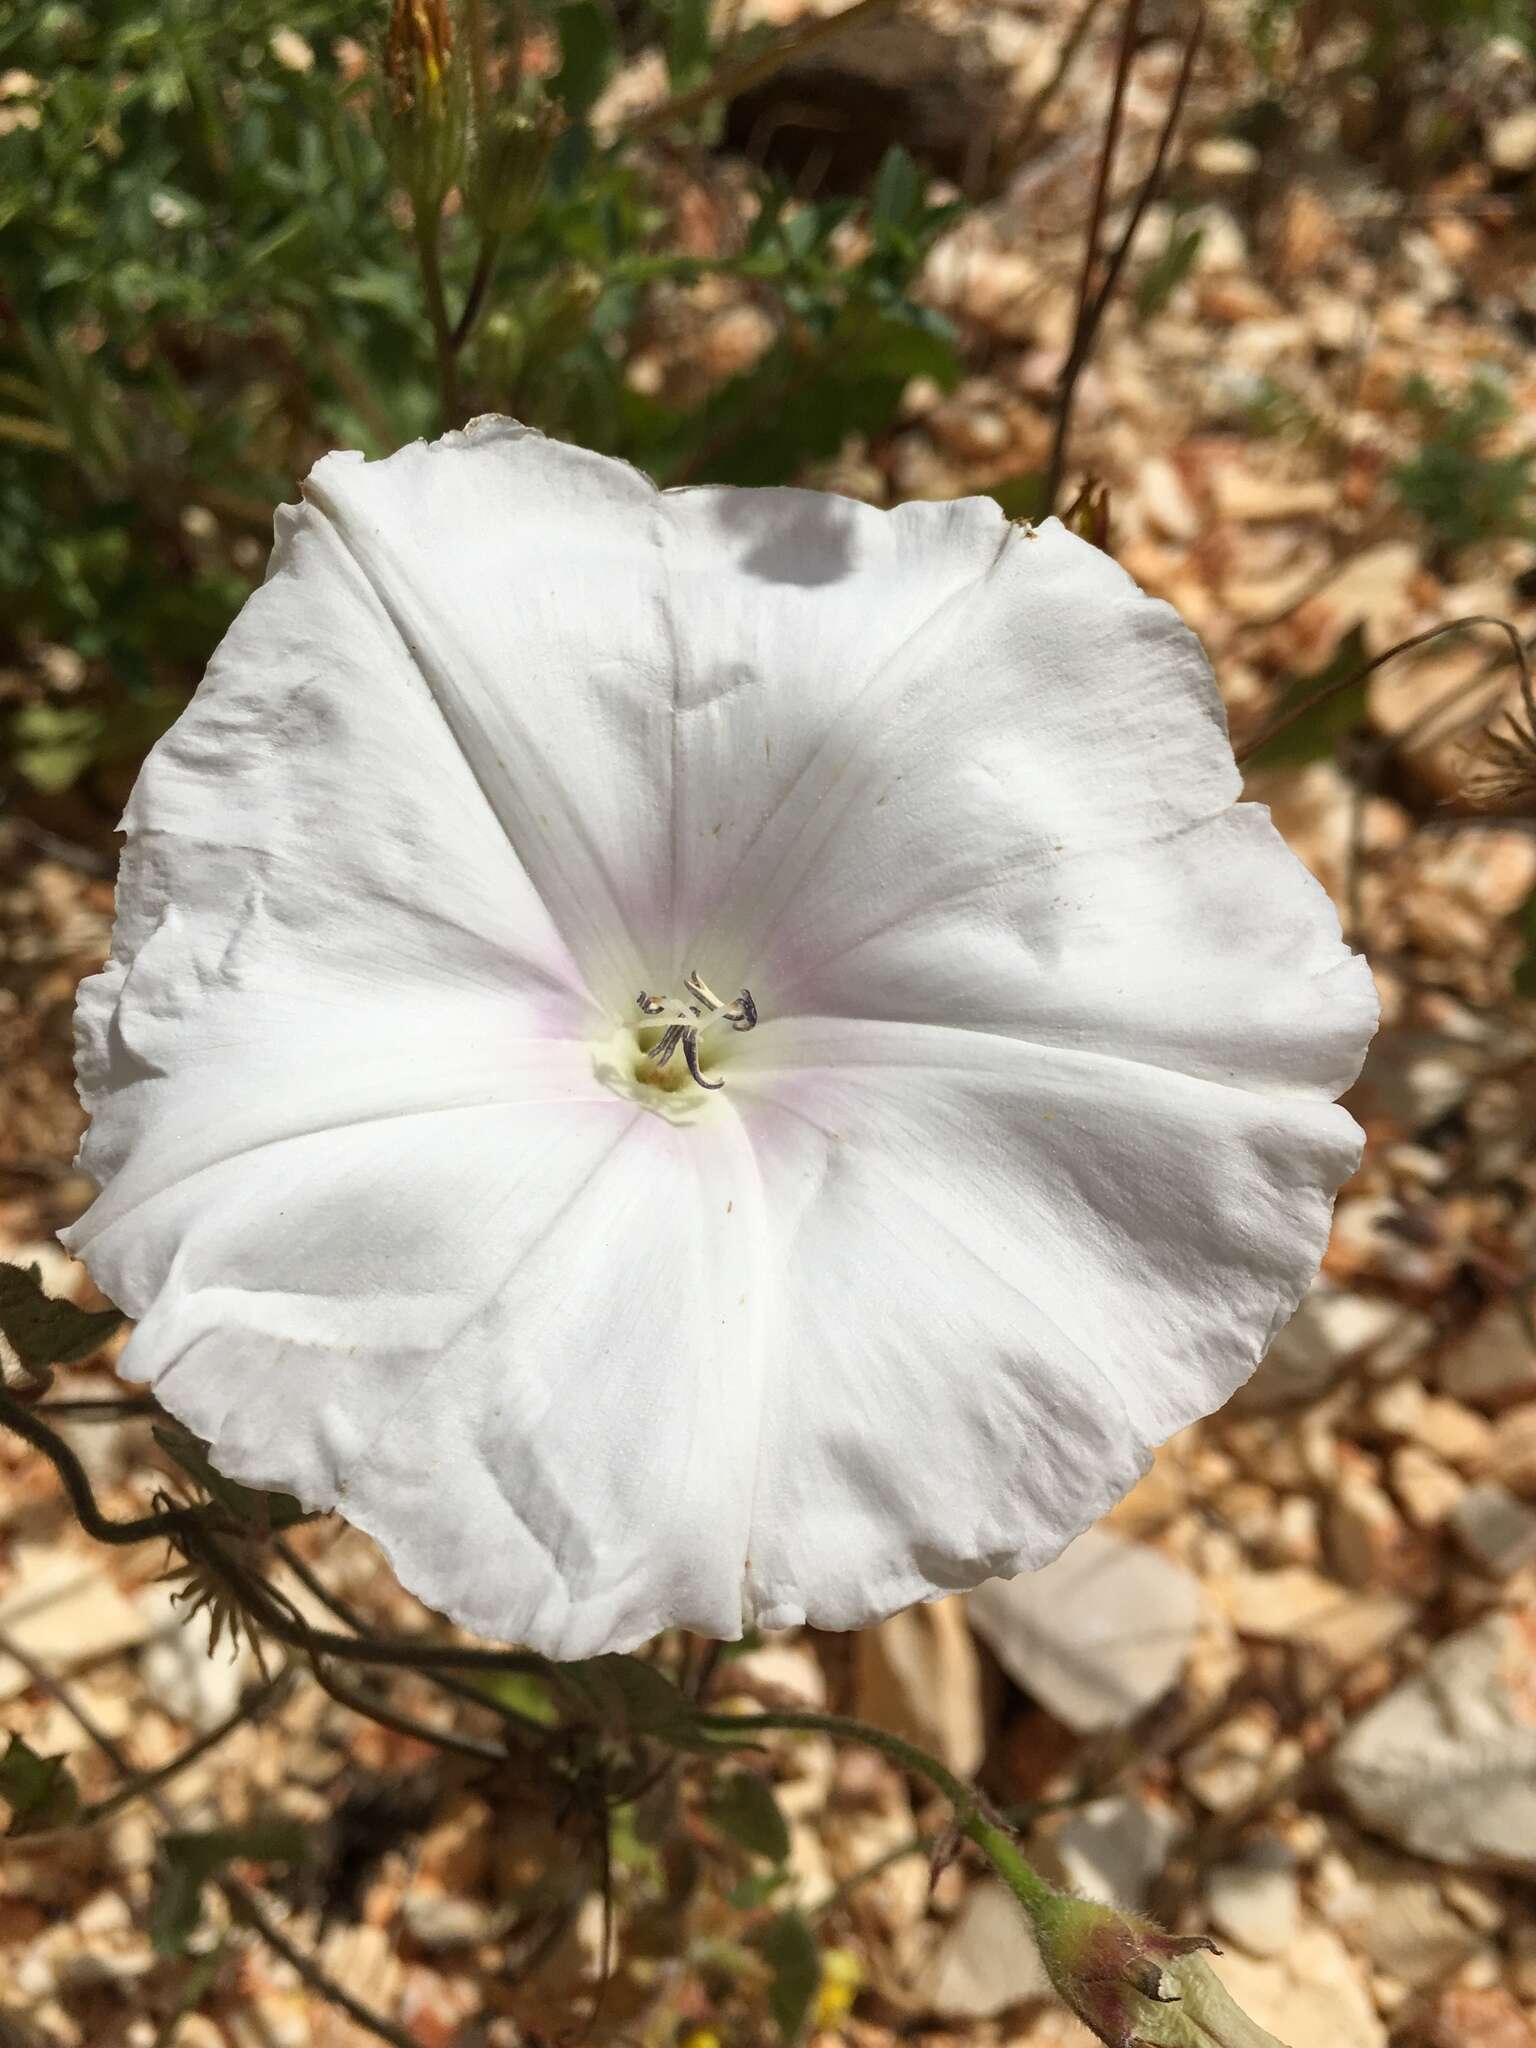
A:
(38, 1789)
(190, 1860)
(44, 1330)
(743, 1808)
(789, 1947)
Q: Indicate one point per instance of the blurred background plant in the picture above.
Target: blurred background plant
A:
(234, 235)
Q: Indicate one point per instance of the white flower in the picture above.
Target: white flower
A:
(1030, 1153)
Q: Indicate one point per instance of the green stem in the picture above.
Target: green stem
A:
(428, 227)
(973, 1816)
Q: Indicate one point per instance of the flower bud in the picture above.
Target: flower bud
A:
(1133, 1985)
(424, 112)
(510, 159)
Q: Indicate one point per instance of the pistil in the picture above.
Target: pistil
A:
(688, 1021)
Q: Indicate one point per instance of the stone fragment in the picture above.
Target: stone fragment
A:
(1239, 1760)
(1370, 1545)
(1314, 1995)
(1165, 501)
(1426, 1486)
(1457, 1434)
(1463, 2017)
(1395, 1915)
(1445, 1765)
(1493, 1364)
(918, 1675)
(1096, 1637)
(65, 1610)
(1256, 1900)
(441, 1920)
(1514, 1449)
(1512, 141)
(1115, 1849)
(1251, 499)
(1333, 1329)
(1496, 1531)
(985, 1961)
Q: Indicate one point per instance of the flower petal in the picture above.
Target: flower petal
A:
(1009, 1271)
(639, 678)
(512, 1342)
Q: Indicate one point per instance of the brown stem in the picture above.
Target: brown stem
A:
(1077, 354)
(403, 1724)
(1280, 725)
(171, 1523)
(1020, 146)
(474, 299)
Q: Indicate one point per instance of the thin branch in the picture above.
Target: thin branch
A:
(144, 1784)
(1077, 354)
(403, 1724)
(429, 257)
(110, 1408)
(244, 1903)
(732, 79)
(1282, 724)
(347, 1614)
(171, 1523)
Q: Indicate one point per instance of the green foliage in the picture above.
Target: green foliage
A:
(44, 1330)
(1169, 267)
(743, 1808)
(211, 275)
(1316, 733)
(38, 1789)
(190, 1860)
(1391, 24)
(1462, 493)
(789, 1947)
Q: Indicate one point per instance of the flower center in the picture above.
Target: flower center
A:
(683, 1023)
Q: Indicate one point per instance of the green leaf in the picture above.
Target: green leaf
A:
(191, 1859)
(41, 1329)
(1022, 497)
(688, 43)
(38, 1789)
(588, 53)
(1317, 732)
(742, 1807)
(521, 1691)
(790, 1949)
(898, 194)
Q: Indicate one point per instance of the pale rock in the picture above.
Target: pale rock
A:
(1115, 1849)
(1370, 1545)
(1496, 1531)
(1457, 1434)
(1446, 1764)
(65, 1610)
(985, 1961)
(1331, 1330)
(781, 1671)
(918, 1676)
(1223, 245)
(1512, 141)
(1514, 1449)
(1295, 1605)
(1165, 501)
(1494, 1364)
(1396, 1916)
(1313, 1996)
(181, 1675)
(442, 1920)
(1469, 2017)
(972, 430)
(1427, 1488)
(1239, 1760)
(1224, 156)
(1252, 500)
(1098, 1635)
(1371, 591)
(1256, 1900)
